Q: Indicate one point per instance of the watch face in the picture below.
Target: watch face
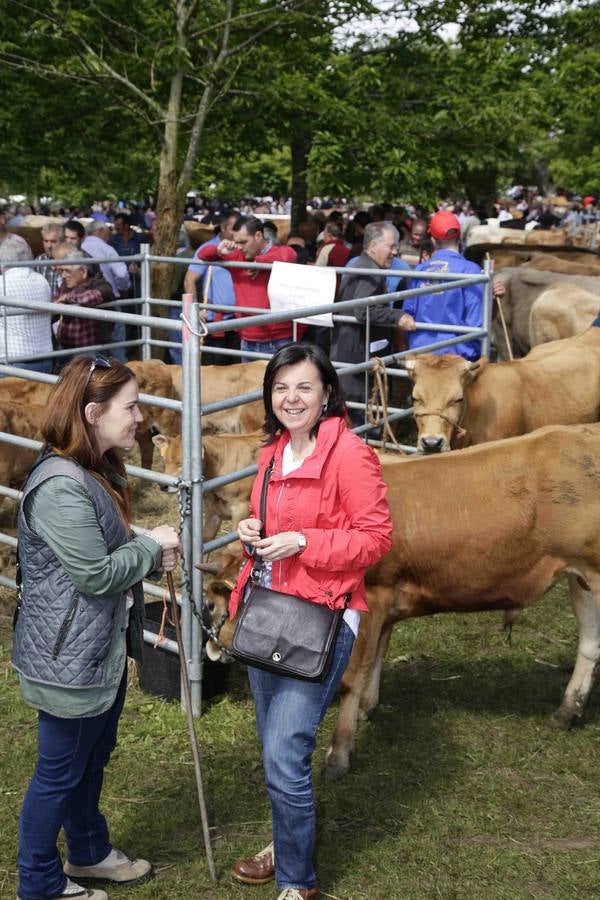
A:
(301, 541)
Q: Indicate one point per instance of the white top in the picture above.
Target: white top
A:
(116, 273)
(24, 333)
(289, 464)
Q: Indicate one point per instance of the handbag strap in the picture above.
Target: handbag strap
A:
(263, 497)
(259, 564)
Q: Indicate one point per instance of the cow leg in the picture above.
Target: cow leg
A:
(355, 677)
(588, 652)
(212, 519)
(370, 695)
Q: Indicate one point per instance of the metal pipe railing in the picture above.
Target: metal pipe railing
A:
(190, 484)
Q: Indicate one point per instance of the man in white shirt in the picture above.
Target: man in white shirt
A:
(23, 333)
(5, 234)
(97, 246)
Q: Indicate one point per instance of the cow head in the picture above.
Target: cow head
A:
(439, 384)
(219, 581)
(170, 450)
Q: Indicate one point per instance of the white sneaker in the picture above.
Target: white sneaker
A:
(72, 890)
(117, 868)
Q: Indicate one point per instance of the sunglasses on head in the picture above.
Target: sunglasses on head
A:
(99, 362)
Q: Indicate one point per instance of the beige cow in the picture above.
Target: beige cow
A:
(222, 454)
(560, 314)
(523, 286)
(217, 383)
(459, 403)
(221, 382)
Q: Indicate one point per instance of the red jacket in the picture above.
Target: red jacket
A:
(250, 287)
(337, 499)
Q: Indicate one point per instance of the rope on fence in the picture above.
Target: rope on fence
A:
(378, 414)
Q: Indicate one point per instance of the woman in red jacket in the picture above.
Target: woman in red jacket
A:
(327, 520)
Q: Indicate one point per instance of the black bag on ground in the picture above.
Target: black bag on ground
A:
(283, 633)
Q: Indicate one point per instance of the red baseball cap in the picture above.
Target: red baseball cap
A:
(589, 200)
(444, 226)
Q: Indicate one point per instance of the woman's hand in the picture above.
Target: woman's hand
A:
(168, 560)
(170, 546)
(278, 546)
(166, 536)
(249, 531)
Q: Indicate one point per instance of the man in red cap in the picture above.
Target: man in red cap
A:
(457, 306)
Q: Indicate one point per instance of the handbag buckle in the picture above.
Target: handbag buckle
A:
(255, 574)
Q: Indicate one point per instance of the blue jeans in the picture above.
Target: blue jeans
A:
(269, 347)
(118, 334)
(65, 791)
(288, 713)
(40, 365)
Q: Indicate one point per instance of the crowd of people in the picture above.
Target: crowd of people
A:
(382, 236)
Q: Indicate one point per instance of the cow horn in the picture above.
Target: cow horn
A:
(209, 568)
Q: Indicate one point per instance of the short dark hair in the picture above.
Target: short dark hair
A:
(77, 227)
(125, 218)
(251, 223)
(290, 356)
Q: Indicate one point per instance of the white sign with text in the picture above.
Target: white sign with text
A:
(292, 286)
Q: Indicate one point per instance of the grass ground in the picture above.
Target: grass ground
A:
(459, 790)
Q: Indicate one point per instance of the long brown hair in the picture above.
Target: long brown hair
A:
(66, 431)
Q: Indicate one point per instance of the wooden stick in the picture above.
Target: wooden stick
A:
(192, 730)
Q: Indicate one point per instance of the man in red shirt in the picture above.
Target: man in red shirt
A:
(249, 243)
(333, 251)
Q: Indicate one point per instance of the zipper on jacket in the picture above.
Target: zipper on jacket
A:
(277, 522)
(66, 625)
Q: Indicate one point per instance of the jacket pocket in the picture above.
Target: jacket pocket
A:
(65, 627)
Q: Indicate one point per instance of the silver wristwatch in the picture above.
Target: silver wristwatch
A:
(301, 542)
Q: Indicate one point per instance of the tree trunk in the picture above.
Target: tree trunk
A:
(301, 144)
(169, 207)
(480, 188)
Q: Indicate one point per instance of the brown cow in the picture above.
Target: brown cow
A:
(23, 419)
(219, 578)
(523, 286)
(154, 378)
(555, 315)
(525, 511)
(221, 455)
(458, 403)
(221, 382)
(21, 390)
(217, 383)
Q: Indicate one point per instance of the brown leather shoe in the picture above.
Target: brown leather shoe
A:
(256, 869)
(312, 893)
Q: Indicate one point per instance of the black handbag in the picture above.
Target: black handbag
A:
(283, 633)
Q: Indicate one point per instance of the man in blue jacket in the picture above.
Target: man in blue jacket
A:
(459, 306)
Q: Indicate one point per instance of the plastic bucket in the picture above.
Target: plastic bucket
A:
(160, 673)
